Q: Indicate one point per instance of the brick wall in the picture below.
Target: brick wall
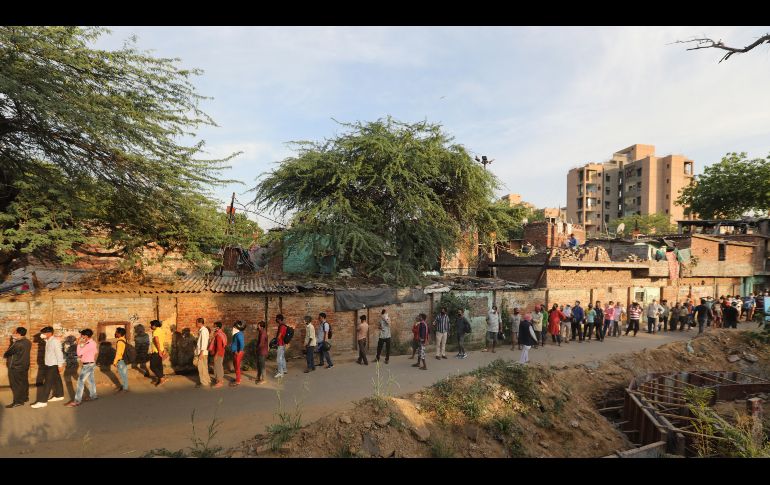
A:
(544, 234)
(520, 274)
(760, 252)
(587, 278)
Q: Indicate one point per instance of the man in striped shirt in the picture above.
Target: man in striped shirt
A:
(634, 314)
(441, 324)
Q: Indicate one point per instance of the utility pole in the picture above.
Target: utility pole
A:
(230, 220)
(485, 161)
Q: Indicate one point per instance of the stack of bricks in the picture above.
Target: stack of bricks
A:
(586, 254)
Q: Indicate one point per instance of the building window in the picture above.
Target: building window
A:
(607, 178)
(666, 165)
(722, 251)
(607, 218)
(666, 211)
(638, 201)
(607, 191)
(666, 180)
(666, 196)
(606, 205)
(620, 213)
(638, 172)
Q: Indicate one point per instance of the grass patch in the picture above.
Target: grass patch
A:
(503, 425)
(200, 448)
(519, 379)
(441, 448)
(289, 422)
(396, 423)
(455, 398)
(343, 450)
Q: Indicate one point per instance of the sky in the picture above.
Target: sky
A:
(536, 100)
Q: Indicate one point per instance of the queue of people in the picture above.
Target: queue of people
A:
(530, 329)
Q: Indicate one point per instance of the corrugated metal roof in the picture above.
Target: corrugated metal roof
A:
(69, 281)
(232, 284)
(51, 278)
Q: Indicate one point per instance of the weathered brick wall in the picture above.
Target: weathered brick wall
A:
(544, 234)
(568, 296)
(587, 278)
(760, 252)
(736, 254)
(519, 274)
(523, 299)
(704, 249)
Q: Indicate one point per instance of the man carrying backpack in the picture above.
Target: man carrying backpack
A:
(217, 348)
(324, 334)
(121, 356)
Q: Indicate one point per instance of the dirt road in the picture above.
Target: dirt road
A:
(148, 417)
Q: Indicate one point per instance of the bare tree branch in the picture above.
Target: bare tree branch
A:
(706, 43)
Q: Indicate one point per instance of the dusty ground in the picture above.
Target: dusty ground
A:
(149, 417)
(542, 411)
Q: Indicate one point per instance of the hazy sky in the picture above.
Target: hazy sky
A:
(537, 100)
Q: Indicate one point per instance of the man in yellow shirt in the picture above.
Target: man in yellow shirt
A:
(119, 361)
(157, 352)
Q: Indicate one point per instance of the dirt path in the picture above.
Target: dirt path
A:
(146, 418)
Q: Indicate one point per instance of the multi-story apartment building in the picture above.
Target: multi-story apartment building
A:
(633, 181)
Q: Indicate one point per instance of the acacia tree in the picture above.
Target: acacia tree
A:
(729, 189)
(390, 196)
(708, 43)
(92, 148)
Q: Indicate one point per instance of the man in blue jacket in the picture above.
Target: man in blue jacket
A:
(578, 317)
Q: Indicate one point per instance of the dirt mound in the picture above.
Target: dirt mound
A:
(505, 409)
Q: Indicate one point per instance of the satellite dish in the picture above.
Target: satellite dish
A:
(620, 229)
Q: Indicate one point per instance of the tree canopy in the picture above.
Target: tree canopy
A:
(729, 189)
(391, 196)
(501, 222)
(92, 148)
(647, 224)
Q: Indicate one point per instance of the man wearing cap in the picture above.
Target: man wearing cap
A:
(54, 366)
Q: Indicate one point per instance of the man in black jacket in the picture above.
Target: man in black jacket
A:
(18, 367)
(730, 315)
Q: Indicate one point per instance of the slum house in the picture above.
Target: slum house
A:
(749, 230)
(627, 269)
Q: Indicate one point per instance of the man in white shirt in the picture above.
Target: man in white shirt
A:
(493, 326)
(653, 311)
(202, 354)
(310, 343)
(54, 366)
